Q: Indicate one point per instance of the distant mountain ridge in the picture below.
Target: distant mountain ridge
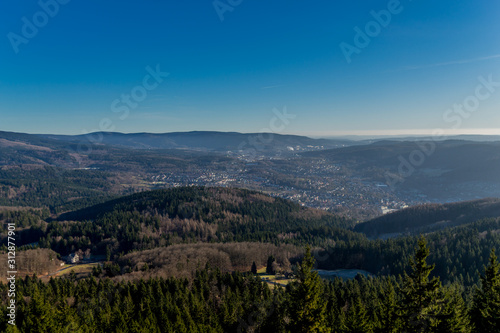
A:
(204, 140)
(91, 149)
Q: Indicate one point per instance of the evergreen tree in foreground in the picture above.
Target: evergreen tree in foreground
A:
(389, 319)
(455, 317)
(307, 308)
(485, 312)
(422, 298)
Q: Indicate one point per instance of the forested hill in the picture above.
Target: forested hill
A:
(430, 217)
(192, 214)
(209, 204)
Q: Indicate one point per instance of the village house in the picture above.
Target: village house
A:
(73, 258)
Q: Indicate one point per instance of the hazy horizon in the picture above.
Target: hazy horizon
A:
(367, 135)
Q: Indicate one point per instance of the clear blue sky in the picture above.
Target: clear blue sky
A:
(230, 74)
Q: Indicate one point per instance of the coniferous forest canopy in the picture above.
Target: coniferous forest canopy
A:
(181, 260)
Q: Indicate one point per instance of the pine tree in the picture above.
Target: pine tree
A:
(455, 317)
(254, 268)
(485, 312)
(422, 298)
(307, 308)
(389, 320)
(269, 268)
(357, 320)
(40, 317)
(12, 329)
(275, 320)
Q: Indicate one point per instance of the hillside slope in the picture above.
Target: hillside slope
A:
(444, 171)
(192, 214)
(430, 217)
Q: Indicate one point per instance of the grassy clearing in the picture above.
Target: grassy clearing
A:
(284, 281)
(272, 280)
(261, 270)
(83, 269)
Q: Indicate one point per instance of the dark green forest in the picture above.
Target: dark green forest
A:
(180, 260)
(56, 189)
(240, 302)
(189, 215)
(430, 217)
